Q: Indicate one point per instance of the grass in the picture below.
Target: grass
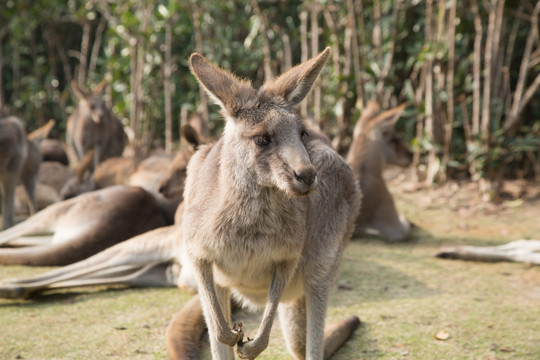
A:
(402, 294)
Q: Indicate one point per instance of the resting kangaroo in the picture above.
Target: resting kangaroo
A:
(19, 161)
(150, 172)
(375, 144)
(88, 224)
(268, 210)
(93, 125)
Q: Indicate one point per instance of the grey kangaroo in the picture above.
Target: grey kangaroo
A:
(93, 125)
(269, 209)
(375, 144)
(19, 161)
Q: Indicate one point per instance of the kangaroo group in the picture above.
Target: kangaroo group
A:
(265, 214)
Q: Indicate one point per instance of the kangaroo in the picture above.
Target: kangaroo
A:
(19, 161)
(145, 260)
(151, 172)
(83, 226)
(94, 221)
(93, 125)
(53, 151)
(268, 210)
(526, 251)
(375, 144)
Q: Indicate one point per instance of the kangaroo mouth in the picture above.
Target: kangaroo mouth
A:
(300, 188)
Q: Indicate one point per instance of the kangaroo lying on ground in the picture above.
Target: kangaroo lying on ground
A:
(267, 212)
(19, 161)
(375, 144)
(526, 251)
(86, 225)
(93, 125)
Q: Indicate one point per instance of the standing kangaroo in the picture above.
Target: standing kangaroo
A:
(19, 161)
(375, 144)
(268, 211)
(93, 125)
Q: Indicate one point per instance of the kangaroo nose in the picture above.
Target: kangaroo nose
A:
(306, 175)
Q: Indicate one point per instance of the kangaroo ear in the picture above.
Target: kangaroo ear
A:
(389, 118)
(229, 92)
(371, 111)
(190, 135)
(295, 84)
(80, 93)
(100, 88)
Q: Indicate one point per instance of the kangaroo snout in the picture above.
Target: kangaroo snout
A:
(307, 175)
(306, 180)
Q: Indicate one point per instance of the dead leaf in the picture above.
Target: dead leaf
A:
(506, 349)
(442, 335)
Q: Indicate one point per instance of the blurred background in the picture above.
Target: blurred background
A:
(469, 71)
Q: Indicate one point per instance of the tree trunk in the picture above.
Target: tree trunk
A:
(98, 39)
(304, 54)
(450, 83)
(351, 21)
(83, 55)
(520, 99)
(267, 51)
(432, 166)
(315, 10)
(167, 65)
(196, 19)
(387, 64)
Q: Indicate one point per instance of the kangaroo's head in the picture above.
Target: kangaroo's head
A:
(264, 136)
(395, 150)
(91, 102)
(377, 131)
(171, 185)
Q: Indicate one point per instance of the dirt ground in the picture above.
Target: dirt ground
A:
(412, 305)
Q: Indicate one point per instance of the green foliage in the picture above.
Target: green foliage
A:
(41, 47)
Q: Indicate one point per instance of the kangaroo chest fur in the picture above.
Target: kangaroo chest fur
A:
(242, 228)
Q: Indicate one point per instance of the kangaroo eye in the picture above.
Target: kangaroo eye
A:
(304, 135)
(262, 140)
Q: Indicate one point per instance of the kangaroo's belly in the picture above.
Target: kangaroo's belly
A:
(250, 278)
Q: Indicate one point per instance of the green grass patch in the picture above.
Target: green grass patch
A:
(403, 295)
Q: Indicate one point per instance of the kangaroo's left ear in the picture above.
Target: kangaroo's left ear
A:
(295, 84)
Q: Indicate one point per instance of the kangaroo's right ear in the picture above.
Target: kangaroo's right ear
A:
(229, 92)
(80, 93)
(100, 88)
(389, 117)
(371, 110)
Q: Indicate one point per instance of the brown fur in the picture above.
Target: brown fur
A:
(93, 125)
(86, 225)
(53, 150)
(268, 211)
(185, 330)
(19, 161)
(148, 259)
(155, 173)
(54, 175)
(374, 145)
